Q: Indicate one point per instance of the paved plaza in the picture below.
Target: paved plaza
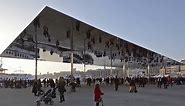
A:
(149, 96)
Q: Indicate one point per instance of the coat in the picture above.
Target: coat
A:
(61, 87)
(97, 93)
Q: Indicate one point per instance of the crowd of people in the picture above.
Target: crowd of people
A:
(61, 83)
(15, 83)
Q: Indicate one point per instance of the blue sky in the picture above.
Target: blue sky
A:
(158, 25)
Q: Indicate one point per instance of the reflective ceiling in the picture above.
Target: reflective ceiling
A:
(54, 32)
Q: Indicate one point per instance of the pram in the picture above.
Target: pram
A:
(47, 97)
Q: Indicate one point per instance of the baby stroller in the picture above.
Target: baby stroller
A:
(47, 97)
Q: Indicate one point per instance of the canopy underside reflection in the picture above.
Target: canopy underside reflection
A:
(90, 45)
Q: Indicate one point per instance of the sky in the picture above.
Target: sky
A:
(158, 25)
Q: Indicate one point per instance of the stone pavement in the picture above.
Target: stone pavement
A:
(149, 96)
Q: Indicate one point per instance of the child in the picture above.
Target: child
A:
(97, 95)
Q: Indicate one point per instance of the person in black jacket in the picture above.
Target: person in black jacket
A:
(34, 88)
(116, 82)
(164, 81)
(39, 87)
(61, 88)
(52, 83)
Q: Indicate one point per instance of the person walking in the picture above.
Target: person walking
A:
(132, 86)
(34, 88)
(159, 82)
(61, 88)
(52, 83)
(97, 95)
(116, 82)
(164, 80)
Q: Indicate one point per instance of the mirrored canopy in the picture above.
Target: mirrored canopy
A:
(54, 32)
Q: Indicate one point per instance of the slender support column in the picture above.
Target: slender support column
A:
(148, 68)
(127, 69)
(84, 57)
(111, 62)
(36, 53)
(164, 68)
(71, 41)
(124, 71)
(105, 71)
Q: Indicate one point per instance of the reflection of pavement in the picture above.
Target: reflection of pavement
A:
(150, 96)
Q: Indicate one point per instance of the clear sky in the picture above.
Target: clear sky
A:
(158, 25)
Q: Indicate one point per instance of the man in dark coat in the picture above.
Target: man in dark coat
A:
(34, 88)
(52, 83)
(61, 88)
(116, 82)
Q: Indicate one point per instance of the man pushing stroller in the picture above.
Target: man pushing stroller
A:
(47, 96)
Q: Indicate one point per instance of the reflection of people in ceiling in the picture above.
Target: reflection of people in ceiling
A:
(36, 22)
(30, 37)
(46, 33)
(88, 59)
